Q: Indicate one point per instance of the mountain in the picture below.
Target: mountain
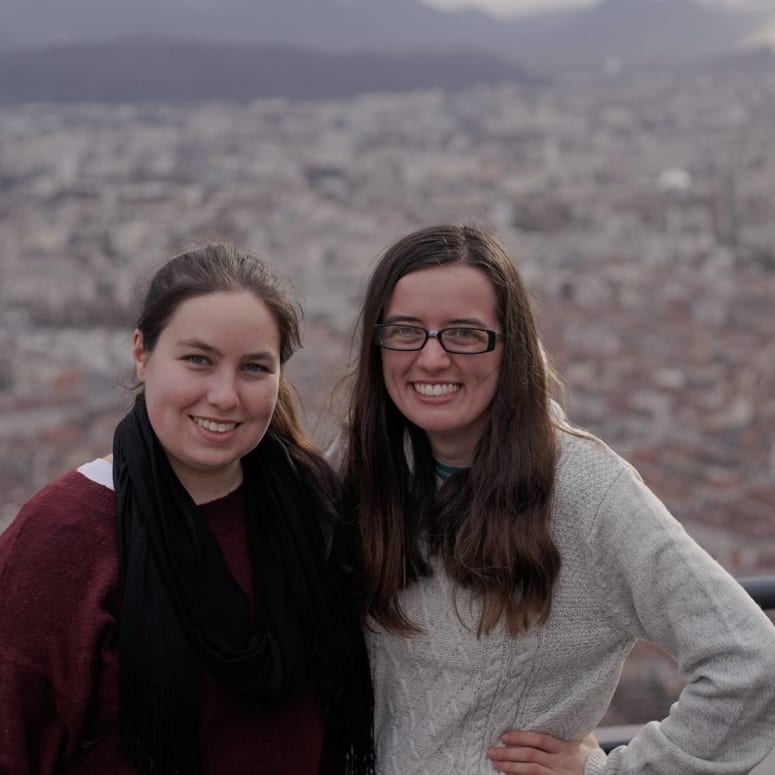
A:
(171, 71)
(651, 31)
(328, 25)
(755, 62)
(632, 30)
(170, 50)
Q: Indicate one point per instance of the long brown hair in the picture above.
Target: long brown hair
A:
(223, 268)
(490, 524)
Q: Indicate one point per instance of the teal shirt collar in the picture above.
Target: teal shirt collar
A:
(443, 470)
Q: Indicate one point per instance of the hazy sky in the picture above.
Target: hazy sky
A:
(508, 6)
(521, 6)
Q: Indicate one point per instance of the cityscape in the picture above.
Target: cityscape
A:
(638, 203)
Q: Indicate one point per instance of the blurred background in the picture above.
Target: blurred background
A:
(621, 149)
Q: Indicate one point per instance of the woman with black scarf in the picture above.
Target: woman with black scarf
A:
(174, 609)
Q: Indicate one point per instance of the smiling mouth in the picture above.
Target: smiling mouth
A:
(432, 391)
(215, 427)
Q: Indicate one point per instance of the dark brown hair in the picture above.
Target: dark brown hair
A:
(223, 268)
(490, 523)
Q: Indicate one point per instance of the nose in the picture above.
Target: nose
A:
(433, 356)
(222, 391)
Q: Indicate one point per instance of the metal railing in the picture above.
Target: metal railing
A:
(762, 590)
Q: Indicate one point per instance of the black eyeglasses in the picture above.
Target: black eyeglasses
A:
(459, 340)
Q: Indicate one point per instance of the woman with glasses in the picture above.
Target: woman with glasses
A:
(509, 562)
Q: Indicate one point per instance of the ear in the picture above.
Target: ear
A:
(139, 354)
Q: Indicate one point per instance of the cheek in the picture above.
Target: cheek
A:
(487, 381)
(390, 378)
(164, 425)
(492, 377)
(166, 394)
(265, 400)
(393, 364)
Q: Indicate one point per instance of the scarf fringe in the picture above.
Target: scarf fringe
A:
(360, 759)
(156, 727)
(349, 721)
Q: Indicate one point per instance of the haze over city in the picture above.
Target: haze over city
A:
(633, 185)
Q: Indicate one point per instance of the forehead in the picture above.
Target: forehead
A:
(224, 315)
(451, 290)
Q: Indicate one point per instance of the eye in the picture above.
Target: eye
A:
(403, 332)
(256, 368)
(470, 334)
(473, 339)
(196, 360)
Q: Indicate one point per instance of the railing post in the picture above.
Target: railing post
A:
(761, 589)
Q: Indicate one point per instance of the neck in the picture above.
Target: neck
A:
(455, 455)
(204, 488)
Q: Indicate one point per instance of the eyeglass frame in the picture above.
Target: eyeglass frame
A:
(492, 338)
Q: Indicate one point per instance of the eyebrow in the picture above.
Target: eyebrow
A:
(198, 344)
(473, 322)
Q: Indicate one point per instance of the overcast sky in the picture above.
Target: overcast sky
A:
(508, 6)
(522, 6)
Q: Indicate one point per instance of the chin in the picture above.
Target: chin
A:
(436, 427)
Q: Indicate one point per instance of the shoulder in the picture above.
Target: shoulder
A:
(588, 468)
(67, 502)
(598, 493)
(70, 517)
(602, 499)
(58, 556)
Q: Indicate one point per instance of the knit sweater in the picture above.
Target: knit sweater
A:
(59, 617)
(629, 571)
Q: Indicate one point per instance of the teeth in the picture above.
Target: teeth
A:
(435, 390)
(217, 427)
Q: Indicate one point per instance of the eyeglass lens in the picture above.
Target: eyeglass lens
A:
(461, 339)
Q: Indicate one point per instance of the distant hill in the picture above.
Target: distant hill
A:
(651, 31)
(128, 71)
(325, 25)
(631, 30)
(756, 62)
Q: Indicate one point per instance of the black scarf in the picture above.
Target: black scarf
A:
(183, 612)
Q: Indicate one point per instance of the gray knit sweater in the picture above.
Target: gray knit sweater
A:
(629, 571)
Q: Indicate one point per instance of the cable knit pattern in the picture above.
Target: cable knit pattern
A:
(629, 571)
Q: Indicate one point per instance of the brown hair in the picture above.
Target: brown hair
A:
(223, 268)
(490, 524)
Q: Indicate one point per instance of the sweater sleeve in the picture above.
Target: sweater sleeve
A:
(30, 731)
(57, 577)
(659, 585)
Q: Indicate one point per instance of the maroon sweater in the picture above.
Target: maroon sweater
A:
(59, 618)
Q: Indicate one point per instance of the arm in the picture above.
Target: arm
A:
(57, 568)
(659, 585)
(30, 732)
